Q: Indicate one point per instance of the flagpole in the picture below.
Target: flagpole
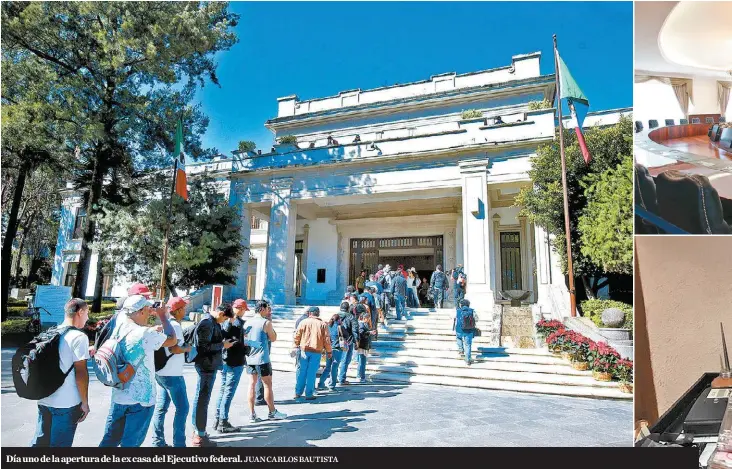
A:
(567, 231)
(167, 231)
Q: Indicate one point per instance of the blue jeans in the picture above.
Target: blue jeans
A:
(343, 367)
(170, 388)
(439, 295)
(56, 426)
(362, 366)
(230, 376)
(400, 307)
(459, 295)
(306, 374)
(413, 301)
(465, 343)
(331, 369)
(126, 425)
(205, 386)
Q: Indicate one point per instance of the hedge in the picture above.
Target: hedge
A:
(13, 326)
(593, 309)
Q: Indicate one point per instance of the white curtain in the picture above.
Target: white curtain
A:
(723, 92)
(683, 89)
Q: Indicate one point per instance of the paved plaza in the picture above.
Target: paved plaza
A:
(377, 414)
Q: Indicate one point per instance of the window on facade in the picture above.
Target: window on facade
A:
(71, 272)
(655, 100)
(298, 268)
(321, 276)
(511, 260)
(79, 223)
(256, 223)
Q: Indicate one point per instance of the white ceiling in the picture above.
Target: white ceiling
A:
(649, 18)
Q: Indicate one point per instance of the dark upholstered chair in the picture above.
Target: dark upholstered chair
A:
(725, 137)
(713, 130)
(683, 121)
(695, 120)
(722, 119)
(691, 203)
(710, 120)
(645, 196)
(669, 122)
(652, 124)
(638, 126)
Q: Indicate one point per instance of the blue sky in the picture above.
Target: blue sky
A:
(318, 49)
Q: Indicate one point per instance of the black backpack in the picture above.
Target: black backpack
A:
(467, 320)
(161, 358)
(106, 332)
(36, 370)
(190, 337)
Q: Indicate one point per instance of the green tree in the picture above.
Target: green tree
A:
(204, 240)
(542, 203)
(606, 225)
(246, 145)
(116, 68)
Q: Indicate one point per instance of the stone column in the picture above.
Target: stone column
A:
(305, 280)
(477, 242)
(498, 282)
(279, 287)
(459, 238)
(239, 289)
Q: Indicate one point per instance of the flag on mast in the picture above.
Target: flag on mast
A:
(181, 184)
(577, 103)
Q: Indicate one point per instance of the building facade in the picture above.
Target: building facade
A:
(396, 175)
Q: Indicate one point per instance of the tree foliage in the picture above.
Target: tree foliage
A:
(204, 240)
(124, 72)
(606, 225)
(543, 204)
(246, 145)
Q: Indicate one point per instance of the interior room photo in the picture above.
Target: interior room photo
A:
(682, 109)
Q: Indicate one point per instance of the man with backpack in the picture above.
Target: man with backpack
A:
(234, 361)
(68, 404)
(131, 347)
(400, 293)
(169, 363)
(210, 344)
(350, 336)
(461, 280)
(439, 285)
(465, 319)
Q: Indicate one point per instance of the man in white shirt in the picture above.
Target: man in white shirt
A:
(171, 384)
(132, 408)
(59, 413)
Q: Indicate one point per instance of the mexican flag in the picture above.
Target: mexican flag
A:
(577, 103)
(180, 182)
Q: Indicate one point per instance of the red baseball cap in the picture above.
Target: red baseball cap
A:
(176, 302)
(240, 304)
(138, 289)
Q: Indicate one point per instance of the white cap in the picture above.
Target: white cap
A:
(135, 303)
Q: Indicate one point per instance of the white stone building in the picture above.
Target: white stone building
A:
(395, 175)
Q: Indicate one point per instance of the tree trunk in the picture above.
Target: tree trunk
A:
(12, 230)
(97, 303)
(19, 259)
(89, 229)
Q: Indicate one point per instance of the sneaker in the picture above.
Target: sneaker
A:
(363, 381)
(468, 362)
(217, 424)
(277, 415)
(296, 397)
(333, 389)
(344, 383)
(253, 418)
(226, 427)
(202, 441)
(309, 398)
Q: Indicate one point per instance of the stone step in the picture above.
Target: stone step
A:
(454, 361)
(391, 335)
(518, 386)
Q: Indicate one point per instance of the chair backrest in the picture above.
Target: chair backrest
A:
(684, 121)
(722, 119)
(710, 120)
(695, 120)
(645, 196)
(638, 126)
(669, 122)
(713, 131)
(690, 202)
(725, 137)
(652, 124)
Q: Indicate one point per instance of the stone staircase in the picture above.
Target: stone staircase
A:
(423, 350)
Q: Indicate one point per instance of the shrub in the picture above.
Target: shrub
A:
(13, 326)
(544, 327)
(603, 357)
(247, 145)
(624, 370)
(471, 114)
(593, 309)
(537, 105)
(287, 139)
(17, 311)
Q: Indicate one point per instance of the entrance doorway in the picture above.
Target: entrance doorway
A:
(421, 252)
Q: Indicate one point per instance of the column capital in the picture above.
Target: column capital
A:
(281, 184)
(474, 166)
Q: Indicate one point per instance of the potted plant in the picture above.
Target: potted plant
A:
(580, 354)
(544, 327)
(555, 341)
(624, 372)
(603, 359)
(286, 143)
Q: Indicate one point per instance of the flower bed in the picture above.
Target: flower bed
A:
(586, 354)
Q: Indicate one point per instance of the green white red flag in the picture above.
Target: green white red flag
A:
(180, 181)
(576, 101)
